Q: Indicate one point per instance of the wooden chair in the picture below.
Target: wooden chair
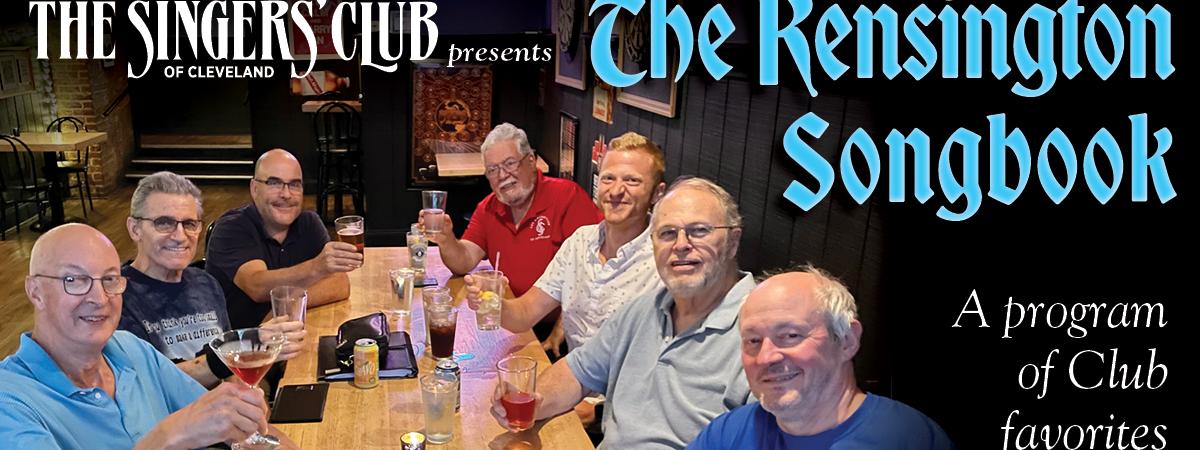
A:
(77, 167)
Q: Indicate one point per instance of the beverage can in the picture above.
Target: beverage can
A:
(447, 369)
(366, 363)
(412, 440)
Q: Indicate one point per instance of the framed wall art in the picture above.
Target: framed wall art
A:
(651, 94)
(452, 113)
(570, 59)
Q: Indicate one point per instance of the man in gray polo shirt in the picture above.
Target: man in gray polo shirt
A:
(667, 361)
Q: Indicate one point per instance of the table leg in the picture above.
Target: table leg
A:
(57, 215)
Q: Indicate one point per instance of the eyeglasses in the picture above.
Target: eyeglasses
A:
(509, 165)
(82, 284)
(167, 224)
(277, 185)
(670, 234)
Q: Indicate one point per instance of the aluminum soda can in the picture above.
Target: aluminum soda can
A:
(366, 363)
(412, 440)
(447, 369)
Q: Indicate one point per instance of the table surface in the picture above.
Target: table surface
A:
(376, 418)
(312, 106)
(57, 142)
(469, 164)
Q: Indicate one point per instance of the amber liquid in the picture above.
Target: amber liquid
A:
(353, 236)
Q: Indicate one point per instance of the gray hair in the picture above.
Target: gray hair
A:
(835, 303)
(506, 132)
(732, 216)
(166, 183)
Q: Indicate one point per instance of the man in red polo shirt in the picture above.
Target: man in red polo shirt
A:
(524, 220)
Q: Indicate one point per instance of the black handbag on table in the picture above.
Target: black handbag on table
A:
(371, 326)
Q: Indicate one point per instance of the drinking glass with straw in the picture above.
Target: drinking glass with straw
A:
(491, 286)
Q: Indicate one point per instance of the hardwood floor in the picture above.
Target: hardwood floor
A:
(16, 314)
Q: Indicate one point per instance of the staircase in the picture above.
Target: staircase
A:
(200, 158)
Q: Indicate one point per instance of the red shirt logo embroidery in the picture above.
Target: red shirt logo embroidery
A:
(540, 225)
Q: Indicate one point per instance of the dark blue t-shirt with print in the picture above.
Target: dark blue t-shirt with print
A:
(178, 319)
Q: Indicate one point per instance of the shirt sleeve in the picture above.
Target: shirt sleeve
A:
(212, 291)
(551, 281)
(316, 233)
(475, 230)
(21, 427)
(580, 211)
(229, 247)
(592, 362)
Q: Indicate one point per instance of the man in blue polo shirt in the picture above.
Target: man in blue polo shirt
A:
(75, 382)
(800, 332)
(273, 242)
(666, 361)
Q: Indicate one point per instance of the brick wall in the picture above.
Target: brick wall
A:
(83, 89)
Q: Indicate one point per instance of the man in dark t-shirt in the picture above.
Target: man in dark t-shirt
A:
(272, 242)
(176, 308)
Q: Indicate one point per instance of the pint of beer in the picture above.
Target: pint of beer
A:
(350, 230)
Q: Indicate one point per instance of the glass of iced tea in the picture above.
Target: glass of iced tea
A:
(443, 320)
(518, 382)
(350, 230)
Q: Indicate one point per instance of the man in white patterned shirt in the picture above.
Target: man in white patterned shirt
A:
(602, 266)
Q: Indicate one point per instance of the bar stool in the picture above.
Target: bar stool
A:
(337, 129)
(78, 167)
(19, 182)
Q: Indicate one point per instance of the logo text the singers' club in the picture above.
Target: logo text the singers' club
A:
(226, 31)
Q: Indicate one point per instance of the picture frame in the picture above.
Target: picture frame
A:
(656, 95)
(568, 142)
(452, 113)
(570, 59)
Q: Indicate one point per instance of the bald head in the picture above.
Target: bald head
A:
(71, 244)
(276, 158)
(811, 290)
(278, 204)
(75, 287)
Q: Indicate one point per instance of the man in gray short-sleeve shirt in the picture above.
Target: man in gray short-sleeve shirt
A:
(668, 362)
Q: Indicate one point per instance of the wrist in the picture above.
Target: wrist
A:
(161, 437)
(314, 266)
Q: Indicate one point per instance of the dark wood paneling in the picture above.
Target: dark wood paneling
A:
(760, 140)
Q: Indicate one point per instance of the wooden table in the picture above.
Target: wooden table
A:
(469, 164)
(376, 418)
(312, 106)
(50, 144)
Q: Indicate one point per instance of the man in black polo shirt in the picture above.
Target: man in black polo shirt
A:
(272, 242)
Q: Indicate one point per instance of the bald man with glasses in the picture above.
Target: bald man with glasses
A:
(76, 382)
(273, 242)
